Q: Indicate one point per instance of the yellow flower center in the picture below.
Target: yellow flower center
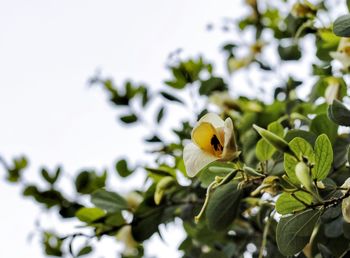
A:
(208, 138)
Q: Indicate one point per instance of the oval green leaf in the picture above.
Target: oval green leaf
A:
(293, 232)
(223, 206)
(341, 26)
(323, 157)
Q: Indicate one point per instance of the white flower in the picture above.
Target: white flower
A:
(345, 206)
(332, 91)
(343, 52)
(212, 139)
(133, 200)
(130, 245)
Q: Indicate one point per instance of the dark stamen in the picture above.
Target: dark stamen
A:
(215, 143)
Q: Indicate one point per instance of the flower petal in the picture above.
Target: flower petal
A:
(202, 135)
(213, 119)
(230, 147)
(196, 159)
(342, 58)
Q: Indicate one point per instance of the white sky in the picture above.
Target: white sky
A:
(48, 50)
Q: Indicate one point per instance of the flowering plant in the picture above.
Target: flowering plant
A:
(259, 168)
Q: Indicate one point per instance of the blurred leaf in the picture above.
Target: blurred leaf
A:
(321, 124)
(89, 215)
(88, 181)
(122, 168)
(325, 252)
(84, 251)
(15, 171)
(52, 244)
(212, 84)
(334, 228)
(115, 219)
(339, 113)
(109, 201)
(51, 179)
(170, 97)
(326, 42)
(68, 209)
(186, 72)
(310, 137)
(160, 114)
(341, 26)
(289, 53)
(149, 216)
(128, 119)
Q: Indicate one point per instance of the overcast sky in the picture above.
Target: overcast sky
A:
(48, 51)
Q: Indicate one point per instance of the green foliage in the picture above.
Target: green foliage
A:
(264, 150)
(342, 26)
(289, 203)
(122, 168)
(289, 155)
(223, 207)
(109, 201)
(89, 215)
(339, 114)
(293, 232)
(323, 157)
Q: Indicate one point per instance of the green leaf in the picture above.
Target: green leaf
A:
(149, 216)
(341, 26)
(325, 252)
(223, 206)
(275, 140)
(322, 124)
(334, 228)
(88, 181)
(208, 173)
(128, 119)
(264, 150)
(170, 97)
(287, 203)
(310, 137)
(109, 201)
(160, 114)
(302, 149)
(122, 168)
(323, 157)
(115, 219)
(289, 53)
(89, 215)
(211, 85)
(84, 251)
(339, 113)
(16, 170)
(51, 179)
(293, 232)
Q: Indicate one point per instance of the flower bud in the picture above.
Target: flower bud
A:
(302, 10)
(302, 172)
(164, 184)
(133, 200)
(345, 205)
(130, 245)
(345, 208)
(276, 141)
